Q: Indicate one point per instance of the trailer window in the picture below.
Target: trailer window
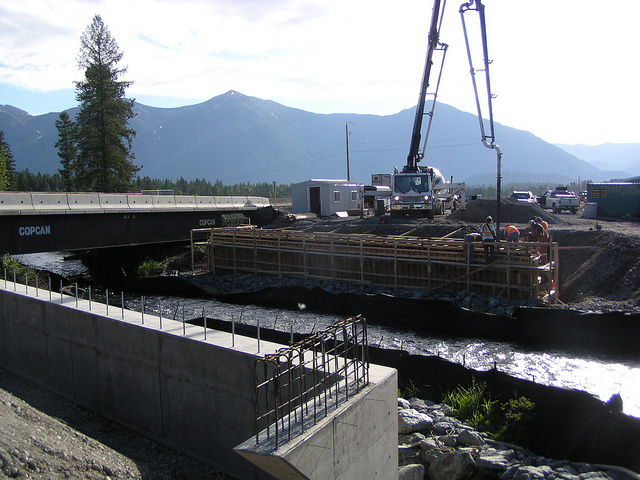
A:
(336, 195)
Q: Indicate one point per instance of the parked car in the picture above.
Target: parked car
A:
(523, 196)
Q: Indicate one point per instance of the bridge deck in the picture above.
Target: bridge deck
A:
(42, 222)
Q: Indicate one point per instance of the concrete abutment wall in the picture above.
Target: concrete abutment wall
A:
(159, 377)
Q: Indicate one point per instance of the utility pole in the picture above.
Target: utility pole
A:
(346, 128)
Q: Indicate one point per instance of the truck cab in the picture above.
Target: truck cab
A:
(412, 194)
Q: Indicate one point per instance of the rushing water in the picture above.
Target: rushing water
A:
(599, 375)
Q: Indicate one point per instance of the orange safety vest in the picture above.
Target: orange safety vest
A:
(545, 227)
(510, 228)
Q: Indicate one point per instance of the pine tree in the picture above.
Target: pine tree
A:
(105, 160)
(4, 170)
(8, 163)
(67, 149)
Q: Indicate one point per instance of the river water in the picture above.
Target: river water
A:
(599, 375)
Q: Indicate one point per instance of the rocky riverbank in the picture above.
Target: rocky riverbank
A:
(432, 443)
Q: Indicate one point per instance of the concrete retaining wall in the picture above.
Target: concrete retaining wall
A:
(159, 377)
(192, 394)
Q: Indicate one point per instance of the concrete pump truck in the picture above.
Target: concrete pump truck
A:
(422, 190)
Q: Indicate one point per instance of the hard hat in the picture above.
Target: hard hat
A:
(531, 222)
(489, 219)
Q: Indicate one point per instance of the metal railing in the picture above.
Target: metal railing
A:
(299, 385)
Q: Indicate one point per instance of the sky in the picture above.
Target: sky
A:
(566, 71)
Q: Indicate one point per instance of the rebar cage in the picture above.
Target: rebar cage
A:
(299, 385)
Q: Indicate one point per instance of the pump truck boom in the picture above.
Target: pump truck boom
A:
(422, 190)
(412, 189)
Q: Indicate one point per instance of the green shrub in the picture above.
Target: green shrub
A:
(149, 268)
(12, 265)
(507, 421)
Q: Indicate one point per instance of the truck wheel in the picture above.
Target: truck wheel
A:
(574, 210)
(554, 209)
(431, 214)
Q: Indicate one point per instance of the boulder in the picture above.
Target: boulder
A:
(411, 420)
(452, 466)
(411, 472)
(468, 438)
(529, 472)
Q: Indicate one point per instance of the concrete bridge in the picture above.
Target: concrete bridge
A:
(40, 222)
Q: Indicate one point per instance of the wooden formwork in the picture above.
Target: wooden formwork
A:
(391, 261)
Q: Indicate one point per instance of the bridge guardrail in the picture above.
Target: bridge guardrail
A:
(21, 203)
(84, 202)
(50, 201)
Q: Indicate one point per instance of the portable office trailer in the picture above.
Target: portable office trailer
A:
(618, 199)
(326, 197)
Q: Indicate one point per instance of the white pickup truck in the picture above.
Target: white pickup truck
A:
(560, 199)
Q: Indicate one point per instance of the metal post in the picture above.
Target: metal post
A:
(5, 278)
(291, 343)
(76, 294)
(258, 334)
(204, 323)
(142, 308)
(14, 281)
(36, 284)
(49, 288)
(26, 283)
(122, 303)
(184, 327)
(106, 296)
(233, 331)
(89, 297)
(160, 317)
(60, 290)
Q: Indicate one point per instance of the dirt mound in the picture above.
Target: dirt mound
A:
(511, 211)
(599, 263)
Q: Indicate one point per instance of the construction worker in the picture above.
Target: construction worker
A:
(489, 240)
(536, 234)
(544, 224)
(469, 238)
(543, 237)
(511, 233)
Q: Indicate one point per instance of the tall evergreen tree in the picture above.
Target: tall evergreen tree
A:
(105, 159)
(9, 167)
(67, 149)
(4, 170)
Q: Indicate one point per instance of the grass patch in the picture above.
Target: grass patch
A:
(506, 421)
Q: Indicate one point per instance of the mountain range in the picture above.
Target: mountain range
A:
(236, 138)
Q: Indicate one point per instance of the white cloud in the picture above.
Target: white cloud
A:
(565, 73)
